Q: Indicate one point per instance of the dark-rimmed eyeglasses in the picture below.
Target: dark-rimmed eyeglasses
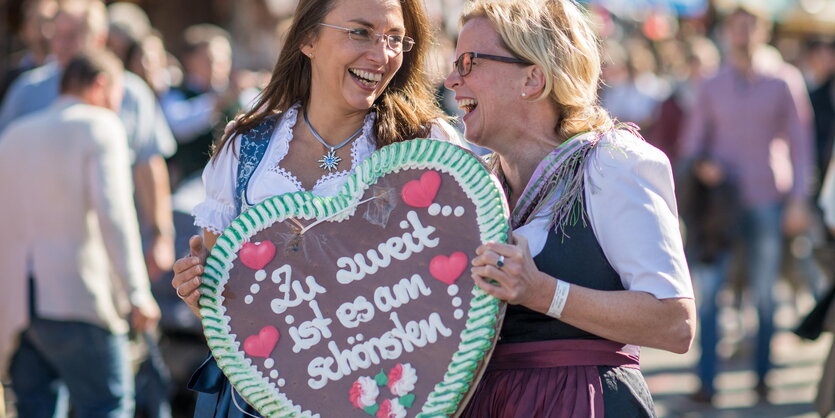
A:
(464, 63)
(367, 38)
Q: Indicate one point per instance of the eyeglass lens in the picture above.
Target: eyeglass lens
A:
(464, 64)
(396, 43)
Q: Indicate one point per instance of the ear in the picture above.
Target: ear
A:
(307, 46)
(534, 81)
(306, 49)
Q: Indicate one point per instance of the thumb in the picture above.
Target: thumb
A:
(196, 248)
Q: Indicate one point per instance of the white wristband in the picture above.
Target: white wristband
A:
(558, 302)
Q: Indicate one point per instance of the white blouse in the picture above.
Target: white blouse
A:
(630, 200)
(218, 209)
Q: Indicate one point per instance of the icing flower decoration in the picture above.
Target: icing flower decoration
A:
(402, 379)
(390, 408)
(364, 392)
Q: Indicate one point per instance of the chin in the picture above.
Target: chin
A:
(361, 102)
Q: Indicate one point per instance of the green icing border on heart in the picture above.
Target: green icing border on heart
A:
(476, 339)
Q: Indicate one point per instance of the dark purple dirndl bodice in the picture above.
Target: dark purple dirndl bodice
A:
(541, 366)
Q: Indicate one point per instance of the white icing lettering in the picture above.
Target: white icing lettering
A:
(414, 242)
(405, 291)
(388, 346)
(352, 314)
(282, 277)
(309, 333)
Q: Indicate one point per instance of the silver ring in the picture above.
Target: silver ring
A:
(500, 261)
(177, 291)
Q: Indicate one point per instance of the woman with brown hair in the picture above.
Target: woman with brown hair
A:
(596, 266)
(349, 79)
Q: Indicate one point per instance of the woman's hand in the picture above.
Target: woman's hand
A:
(187, 271)
(517, 279)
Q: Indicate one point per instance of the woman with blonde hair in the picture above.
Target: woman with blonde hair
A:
(350, 78)
(596, 267)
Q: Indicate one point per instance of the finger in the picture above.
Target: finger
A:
(489, 288)
(493, 272)
(188, 288)
(193, 300)
(185, 263)
(187, 276)
(489, 258)
(507, 250)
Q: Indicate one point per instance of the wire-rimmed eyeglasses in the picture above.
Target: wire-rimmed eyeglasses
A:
(464, 63)
(395, 43)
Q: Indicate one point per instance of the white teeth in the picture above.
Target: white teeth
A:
(375, 77)
(467, 104)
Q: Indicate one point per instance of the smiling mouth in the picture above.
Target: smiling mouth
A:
(467, 105)
(367, 78)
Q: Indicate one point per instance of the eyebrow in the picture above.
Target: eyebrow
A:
(368, 24)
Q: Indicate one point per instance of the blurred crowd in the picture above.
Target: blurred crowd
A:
(745, 112)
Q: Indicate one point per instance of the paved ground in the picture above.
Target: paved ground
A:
(793, 382)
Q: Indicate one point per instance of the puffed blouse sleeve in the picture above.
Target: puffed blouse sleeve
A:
(632, 210)
(443, 131)
(218, 210)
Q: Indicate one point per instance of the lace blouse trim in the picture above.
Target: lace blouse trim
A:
(361, 148)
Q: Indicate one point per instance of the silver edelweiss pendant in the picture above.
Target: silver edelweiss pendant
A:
(330, 161)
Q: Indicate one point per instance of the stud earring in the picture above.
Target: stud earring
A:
(310, 55)
(524, 94)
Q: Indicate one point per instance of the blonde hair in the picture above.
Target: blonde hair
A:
(557, 36)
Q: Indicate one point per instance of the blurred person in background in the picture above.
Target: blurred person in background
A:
(82, 25)
(35, 31)
(141, 47)
(733, 129)
(631, 91)
(75, 266)
(700, 61)
(153, 63)
(255, 32)
(129, 25)
(199, 108)
(819, 71)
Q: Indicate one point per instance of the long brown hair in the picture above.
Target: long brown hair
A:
(406, 107)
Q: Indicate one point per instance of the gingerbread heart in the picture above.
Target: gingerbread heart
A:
(262, 344)
(421, 193)
(363, 289)
(448, 269)
(257, 255)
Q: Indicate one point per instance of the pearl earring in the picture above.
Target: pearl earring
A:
(524, 94)
(310, 55)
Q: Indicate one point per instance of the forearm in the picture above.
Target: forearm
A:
(154, 195)
(628, 317)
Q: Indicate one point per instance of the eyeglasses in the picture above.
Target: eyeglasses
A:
(367, 38)
(464, 63)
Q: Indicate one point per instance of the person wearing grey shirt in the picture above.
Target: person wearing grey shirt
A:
(81, 25)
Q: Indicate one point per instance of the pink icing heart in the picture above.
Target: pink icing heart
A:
(262, 345)
(448, 269)
(257, 255)
(421, 193)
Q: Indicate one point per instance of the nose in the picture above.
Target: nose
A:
(453, 80)
(379, 51)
